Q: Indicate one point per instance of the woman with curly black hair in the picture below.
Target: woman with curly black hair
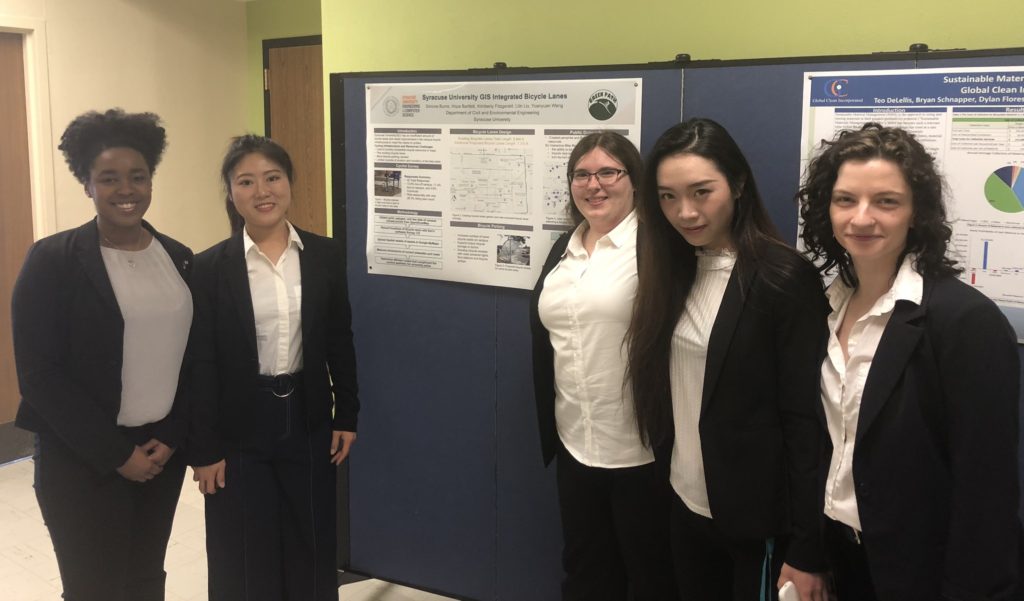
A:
(919, 384)
(101, 315)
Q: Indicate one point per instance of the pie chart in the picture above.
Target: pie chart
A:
(1004, 189)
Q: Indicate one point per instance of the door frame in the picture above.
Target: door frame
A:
(343, 511)
(40, 139)
(309, 40)
(16, 443)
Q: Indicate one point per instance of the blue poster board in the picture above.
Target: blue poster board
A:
(448, 490)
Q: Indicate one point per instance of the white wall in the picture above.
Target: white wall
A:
(184, 60)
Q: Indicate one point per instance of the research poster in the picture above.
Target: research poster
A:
(972, 122)
(467, 181)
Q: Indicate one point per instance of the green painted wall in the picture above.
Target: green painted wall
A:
(410, 35)
(457, 34)
(268, 20)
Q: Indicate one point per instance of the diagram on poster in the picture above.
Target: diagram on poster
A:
(468, 181)
(489, 182)
(972, 122)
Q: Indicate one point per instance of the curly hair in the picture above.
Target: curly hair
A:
(241, 147)
(91, 133)
(929, 233)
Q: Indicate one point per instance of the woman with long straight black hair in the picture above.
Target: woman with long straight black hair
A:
(722, 354)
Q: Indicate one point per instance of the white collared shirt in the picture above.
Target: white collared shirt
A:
(277, 305)
(686, 376)
(586, 305)
(842, 381)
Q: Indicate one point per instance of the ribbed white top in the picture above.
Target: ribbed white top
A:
(686, 375)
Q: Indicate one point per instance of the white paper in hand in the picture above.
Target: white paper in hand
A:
(788, 592)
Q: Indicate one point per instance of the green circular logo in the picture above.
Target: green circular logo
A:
(602, 105)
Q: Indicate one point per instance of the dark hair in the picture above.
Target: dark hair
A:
(667, 264)
(89, 134)
(929, 232)
(619, 148)
(241, 147)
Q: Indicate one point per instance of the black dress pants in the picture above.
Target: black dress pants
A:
(615, 528)
(711, 566)
(109, 534)
(849, 563)
(270, 532)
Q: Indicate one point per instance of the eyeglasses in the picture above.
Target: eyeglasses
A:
(605, 176)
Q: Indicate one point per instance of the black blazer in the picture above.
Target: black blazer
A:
(759, 431)
(935, 458)
(68, 343)
(544, 359)
(225, 363)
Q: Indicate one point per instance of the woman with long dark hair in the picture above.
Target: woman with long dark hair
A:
(611, 493)
(722, 358)
(274, 389)
(101, 316)
(919, 385)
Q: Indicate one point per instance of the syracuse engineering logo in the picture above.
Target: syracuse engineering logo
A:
(602, 105)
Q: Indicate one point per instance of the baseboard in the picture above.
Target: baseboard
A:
(15, 443)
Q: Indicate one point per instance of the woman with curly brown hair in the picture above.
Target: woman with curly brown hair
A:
(101, 316)
(919, 385)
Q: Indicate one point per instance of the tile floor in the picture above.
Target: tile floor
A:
(28, 570)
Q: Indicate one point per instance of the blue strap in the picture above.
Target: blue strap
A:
(766, 569)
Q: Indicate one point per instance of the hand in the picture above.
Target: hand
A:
(209, 477)
(158, 451)
(346, 439)
(810, 586)
(140, 467)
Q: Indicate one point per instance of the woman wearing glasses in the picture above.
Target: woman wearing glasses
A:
(612, 496)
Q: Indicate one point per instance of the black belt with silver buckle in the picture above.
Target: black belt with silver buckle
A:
(282, 385)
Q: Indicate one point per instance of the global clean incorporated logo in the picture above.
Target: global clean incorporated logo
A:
(836, 88)
(602, 105)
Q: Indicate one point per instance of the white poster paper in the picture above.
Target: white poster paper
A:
(972, 122)
(467, 180)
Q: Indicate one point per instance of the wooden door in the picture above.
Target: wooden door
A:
(15, 225)
(295, 119)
